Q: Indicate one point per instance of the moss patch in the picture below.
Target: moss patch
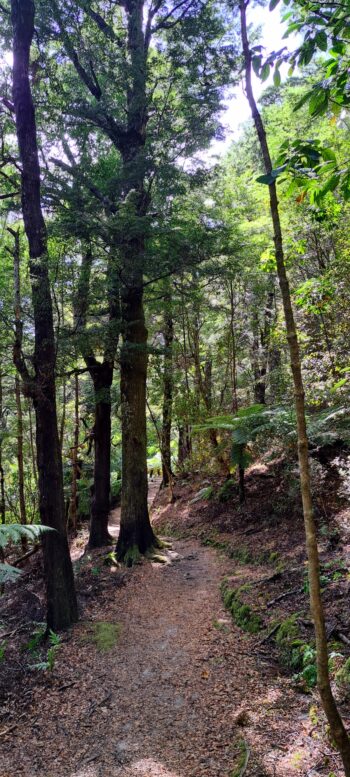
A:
(240, 757)
(103, 634)
(132, 556)
(242, 614)
(289, 642)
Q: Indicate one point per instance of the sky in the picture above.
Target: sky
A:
(238, 110)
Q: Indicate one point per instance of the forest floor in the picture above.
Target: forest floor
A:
(156, 679)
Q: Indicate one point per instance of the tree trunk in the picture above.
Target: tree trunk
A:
(241, 485)
(63, 416)
(234, 350)
(337, 728)
(184, 445)
(167, 392)
(61, 599)
(32, 443)
(136, 534)
(102, 376)
(73, 506)
(18, 344)
(22, 501)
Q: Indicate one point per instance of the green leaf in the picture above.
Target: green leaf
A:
(256, 63)
(307, 52)
(330, 185)
(8, 573)
(277, 77)
(265, 71)
(321, 40)
(273, 4)
(302, 101)
(328, 154)
(266, 179)
(318, 102)
(269, 178)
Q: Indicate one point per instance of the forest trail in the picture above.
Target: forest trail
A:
(114, 517)
(179, 695)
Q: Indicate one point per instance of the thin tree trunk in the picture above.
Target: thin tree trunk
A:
(18, 337)
(102, 376)
(167, 391)
(241, 484)
(32, 443)
(22, 501)
(337, 728)
(73, 506)
(184, 445)
(63, 416)
(234, 352)
(61, 598)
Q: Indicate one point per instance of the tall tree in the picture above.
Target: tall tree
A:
(336, 724)
(61, 598)
(126, 100)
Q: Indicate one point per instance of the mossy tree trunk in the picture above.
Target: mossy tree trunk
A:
(337, 728)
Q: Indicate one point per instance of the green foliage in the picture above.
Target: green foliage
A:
(203, 493)
(288, 641)
(49, 664)
(226, 491)
(308, 673)
(36, 638)
(13, 533)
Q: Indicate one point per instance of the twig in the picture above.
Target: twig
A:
(284, 596)
(270, 634)
(67, 685)
(31, 552)
(10, 728)
(343, 638)
(276, 575)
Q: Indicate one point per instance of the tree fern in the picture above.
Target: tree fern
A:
(14, 532)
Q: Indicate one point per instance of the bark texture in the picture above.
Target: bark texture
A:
(61, 599)
(336, 725)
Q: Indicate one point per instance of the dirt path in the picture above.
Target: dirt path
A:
(179, 695)
(114, 518)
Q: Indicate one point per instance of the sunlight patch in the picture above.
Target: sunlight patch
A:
(146, 767)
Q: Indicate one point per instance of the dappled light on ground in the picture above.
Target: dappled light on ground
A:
(146, 767)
